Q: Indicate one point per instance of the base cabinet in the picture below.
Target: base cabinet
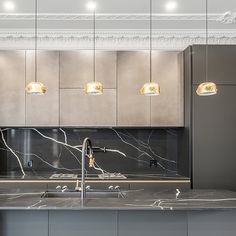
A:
(212, 223)
(117, 223)
(150, 223)
(23, 223)
(82, 223)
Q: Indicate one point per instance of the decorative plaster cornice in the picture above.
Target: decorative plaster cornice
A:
(227, 18)
(104, 17)
(111, 39)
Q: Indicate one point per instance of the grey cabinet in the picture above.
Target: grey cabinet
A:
(43, 110)
(211, 120)
(23, 223)
(149, 223)
(221, 63)
(133, 109)
(117, 223)
(18, 108)
(65, 104)
(167, 108)
(214, 139)
(76, 68)
(78, 108)
(133, 71)
(211, 223)
(12, 88)
(83, 223)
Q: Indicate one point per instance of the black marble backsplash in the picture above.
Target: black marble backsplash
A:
(46, 151)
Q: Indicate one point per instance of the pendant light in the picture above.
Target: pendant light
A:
(35, 87)
(150, 88)
(206, 88)
(94, 87)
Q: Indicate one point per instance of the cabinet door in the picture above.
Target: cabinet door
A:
(167, 108)
(212, 223)
(221, 64)
(24, 223)
(77, 108)
(82, 223)
(43, 110)
(132, 72)
(149, 223)
(76, 68)
(12, 88)
(214, 130)
(80, 109)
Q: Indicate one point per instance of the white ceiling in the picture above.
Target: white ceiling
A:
(120, 6)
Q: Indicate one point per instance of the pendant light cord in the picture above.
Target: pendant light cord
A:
(36, 40)
(150, 41)
(94, 45)
(207, 40)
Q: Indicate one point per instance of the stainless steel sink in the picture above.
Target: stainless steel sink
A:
(89, 194)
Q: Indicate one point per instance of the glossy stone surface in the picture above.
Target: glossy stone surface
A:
(136, 153)
(134, 200)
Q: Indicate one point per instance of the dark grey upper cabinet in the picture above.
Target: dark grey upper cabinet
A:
(221, 64)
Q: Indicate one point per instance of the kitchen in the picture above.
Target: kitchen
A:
(117, 117)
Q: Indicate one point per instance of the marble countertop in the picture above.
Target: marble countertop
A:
(134, 200)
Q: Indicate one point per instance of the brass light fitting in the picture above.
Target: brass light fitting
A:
(35, 87)
(93, 88)
(206, 89)
(150, 89)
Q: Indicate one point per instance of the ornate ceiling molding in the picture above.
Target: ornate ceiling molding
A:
(112, 40)
(227, 18)
(104, 17)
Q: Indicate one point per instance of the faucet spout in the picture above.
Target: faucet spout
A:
(87, 151)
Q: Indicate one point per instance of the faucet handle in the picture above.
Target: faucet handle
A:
(117, 187)
(65, 188)
(111, 187)
(58, 188)
(88, 187)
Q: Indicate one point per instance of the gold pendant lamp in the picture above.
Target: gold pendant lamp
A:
(206, 88)
(35, 87)
(94, 87)
(150, 88)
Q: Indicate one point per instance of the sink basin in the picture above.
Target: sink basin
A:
(89, 194)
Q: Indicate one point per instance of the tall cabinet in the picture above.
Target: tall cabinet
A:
(212, 120)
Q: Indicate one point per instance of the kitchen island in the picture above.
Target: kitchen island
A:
(139, 212)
